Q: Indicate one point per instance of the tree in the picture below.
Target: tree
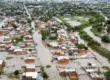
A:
(108, 21)
(16, 72)
(44, 75)
(107, 75)
(15, 26)
(106, 38)
(81, 46)
(42, 68)
(108, 29)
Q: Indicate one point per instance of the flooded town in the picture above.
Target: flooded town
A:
(54, 40)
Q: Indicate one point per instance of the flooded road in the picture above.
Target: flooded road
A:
(46, 57)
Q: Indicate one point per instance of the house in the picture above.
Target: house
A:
(63, 47)
(7, 38)
(20, 51)
(63, 59)
(30, 75)
(63, 71)
(54, 44)
(22, 45)
(1, 63)
(2, 47)
(28, 41)
(28, 37)
(73, 39)
(95, 76)
(83, 51)
(58, 52)
(29, 60)
(30, 68)
(73, 76)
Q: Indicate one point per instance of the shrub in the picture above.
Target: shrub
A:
(44, 75)
(48, 66)
(8, 58)
(16, 72)
(81, 46)
(106, 38)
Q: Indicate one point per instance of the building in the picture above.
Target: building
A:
(30, 68)
(29, 60)
(95, 76)
(20, 52)
(30, 75)
(73, 76)
(63, 59)
(1, 63)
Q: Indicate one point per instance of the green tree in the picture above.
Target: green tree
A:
(106, 38)
(44, 75)
(108, 29)
(107, 75)
(16, 72)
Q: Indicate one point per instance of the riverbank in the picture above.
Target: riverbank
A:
(89, 40)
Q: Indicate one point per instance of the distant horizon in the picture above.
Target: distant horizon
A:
(84, 1)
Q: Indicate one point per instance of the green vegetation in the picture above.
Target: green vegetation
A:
(11, 75)
(102, 51)
(16, 72)
(30, 31)
(96, 33)
(69, 27)
(16, 40)
(108, 29)
(87, 38)
(14, 75)
(9, 57)
(14, 26)
(107, 75)
(106, 38)
(45, 34)
(95, 45)
(48, 66)
(98, 28)
(81, 46)
(1, 71)
(44, 74)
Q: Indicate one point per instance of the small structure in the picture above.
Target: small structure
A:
(95, 76)
(30, 68)
(30, 75)
(63, 59)
(83, 51)
(1, 63)
(29, 60)
(58, 53)
(20, 52)
(2, 47)
(73, 76)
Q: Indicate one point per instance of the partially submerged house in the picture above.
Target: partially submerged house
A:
(2, 63)
(29, 60)
(30, 75)
(30, 68)
(63, 59)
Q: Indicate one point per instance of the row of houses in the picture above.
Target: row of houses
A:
(59, 49)
(19, 42)
(65, 49)
(30, 69)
